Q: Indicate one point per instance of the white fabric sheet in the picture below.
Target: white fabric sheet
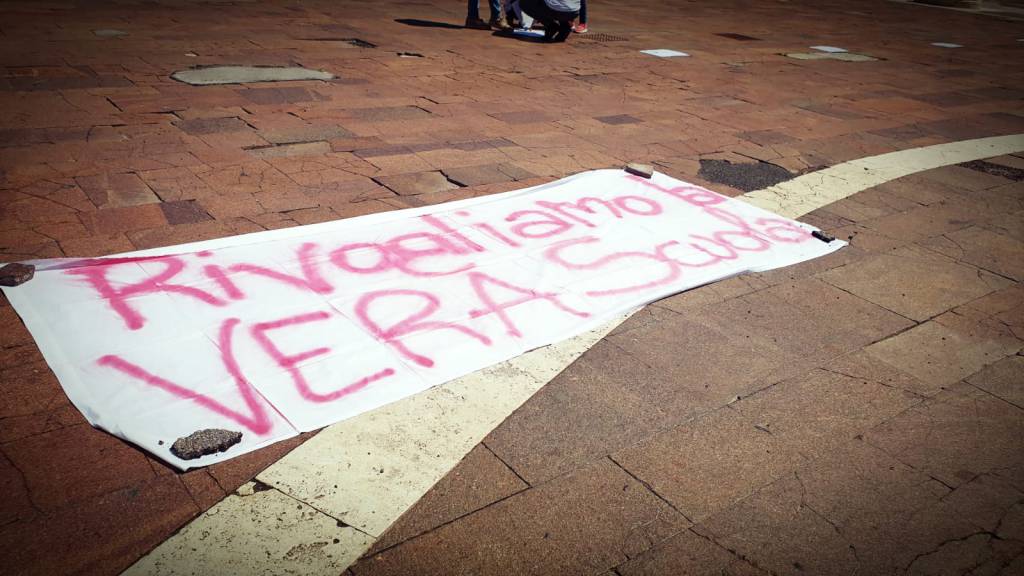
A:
(829, 49)
(290, 330)
(666, 53)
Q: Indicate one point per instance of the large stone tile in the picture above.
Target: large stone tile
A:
(983, 248)
(870, 204)
(863, 366)
(866, 240)
(776, 532)
(992, 503)
(17, 505)
(854, 321)
(416, 183)
(810, 267)
(604, 401)
(809, 320)
(914, 282)
(29, 387)
(1004, 379)
(821, 410)
(768, 317)
(1009, 224)
(946, 350)
(697, 349)
(918, 189)
(1000, 200)
(107, 221)
(101, 464)
(965, 178)
(691, 554)
(584, 523)
(939, 542)
(102, 535)
(927, 221)
(705, 465)
(712, 293)
(955, 436)
(479, 480)
(863, 491)
(1005, 306)
(116, 190)
(897, 519)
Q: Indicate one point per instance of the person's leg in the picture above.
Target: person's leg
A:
(541, 13)
(514, 13)
(473, 17)
(581, 27)
(564, 24)
(495, 10)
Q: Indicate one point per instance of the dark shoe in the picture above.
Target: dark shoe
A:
(477, 24)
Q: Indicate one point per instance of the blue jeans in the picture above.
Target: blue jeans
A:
(583, 11)
(473, 11)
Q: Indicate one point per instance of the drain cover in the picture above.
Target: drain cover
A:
(1008, 172)
(743, 176)
(602, 37)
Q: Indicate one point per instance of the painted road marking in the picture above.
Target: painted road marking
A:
(351, 481)
(809, 192)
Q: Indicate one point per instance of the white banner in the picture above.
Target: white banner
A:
(290, 330)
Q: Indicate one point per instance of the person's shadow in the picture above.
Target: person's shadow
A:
(532, 36)
(535, 36)
(428, 24)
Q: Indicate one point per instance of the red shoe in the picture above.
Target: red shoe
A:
(580, 28)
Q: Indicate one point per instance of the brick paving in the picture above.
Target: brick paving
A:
(861, 413)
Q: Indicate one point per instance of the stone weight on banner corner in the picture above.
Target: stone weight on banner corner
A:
(15, 274)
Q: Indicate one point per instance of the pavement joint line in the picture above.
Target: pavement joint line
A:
(649, 488)
(419, 439)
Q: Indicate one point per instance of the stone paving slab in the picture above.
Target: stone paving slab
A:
(102, 152)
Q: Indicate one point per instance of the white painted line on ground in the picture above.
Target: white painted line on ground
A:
(809, 192)
(355, 478)
(258, 531)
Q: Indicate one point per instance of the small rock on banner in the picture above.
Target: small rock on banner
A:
(15, 274)
(203, 442)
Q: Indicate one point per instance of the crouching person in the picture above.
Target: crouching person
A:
(557, 16)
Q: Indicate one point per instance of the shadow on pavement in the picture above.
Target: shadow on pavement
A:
(536, 39)
(428, 23)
